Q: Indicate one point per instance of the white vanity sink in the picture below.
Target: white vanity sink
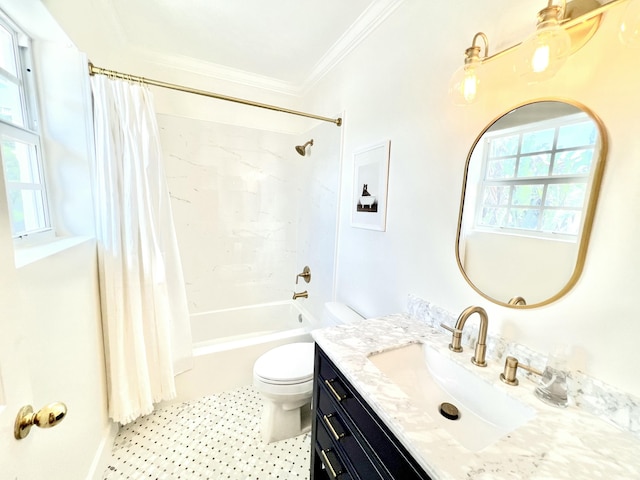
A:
(429, 378)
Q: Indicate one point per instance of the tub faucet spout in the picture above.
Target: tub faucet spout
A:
(304, 294)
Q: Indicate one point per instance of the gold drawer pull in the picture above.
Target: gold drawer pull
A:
(328, 464)
(329, 385)
(327, 421)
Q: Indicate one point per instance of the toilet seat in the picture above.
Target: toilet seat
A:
(289, 364)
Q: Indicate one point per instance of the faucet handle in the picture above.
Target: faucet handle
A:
(456, 339)
(451, 329)
(511, 365)
(306, 275)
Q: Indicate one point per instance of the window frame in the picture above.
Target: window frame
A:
(28, 133)
(544, 180)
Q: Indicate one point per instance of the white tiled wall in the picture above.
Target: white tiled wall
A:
(317, 214)
(249, 211)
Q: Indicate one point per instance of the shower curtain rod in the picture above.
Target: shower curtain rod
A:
(93, 70)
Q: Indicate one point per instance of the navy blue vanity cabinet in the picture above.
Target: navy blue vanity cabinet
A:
(348, 440)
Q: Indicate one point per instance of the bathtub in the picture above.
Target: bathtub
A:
(226, 343)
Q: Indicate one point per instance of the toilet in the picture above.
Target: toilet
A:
(284, 378)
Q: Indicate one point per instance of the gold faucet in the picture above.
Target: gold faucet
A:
(481, 345)
(517, 301)
(304, 294)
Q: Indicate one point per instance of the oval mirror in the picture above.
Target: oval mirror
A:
(528, 198)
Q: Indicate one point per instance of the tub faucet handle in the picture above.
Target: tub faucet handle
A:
(306, 274)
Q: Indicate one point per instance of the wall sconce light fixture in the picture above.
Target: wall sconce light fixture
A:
(465, 82)
(561, 30)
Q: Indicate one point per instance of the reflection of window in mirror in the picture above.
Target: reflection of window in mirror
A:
(534, 178)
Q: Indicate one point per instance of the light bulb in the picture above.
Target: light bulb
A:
(464, 85)
(470, 87)
(540, 60)
(546, 50)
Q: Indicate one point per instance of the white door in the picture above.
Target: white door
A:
(15, 384)
(18, 458)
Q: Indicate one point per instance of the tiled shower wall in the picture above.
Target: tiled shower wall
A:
(242, 203)
(317, 214)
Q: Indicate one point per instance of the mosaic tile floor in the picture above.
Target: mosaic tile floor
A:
(215, 437)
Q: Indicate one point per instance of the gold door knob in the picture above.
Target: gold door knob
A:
(48, 416)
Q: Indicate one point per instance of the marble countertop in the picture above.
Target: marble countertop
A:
(556, 444)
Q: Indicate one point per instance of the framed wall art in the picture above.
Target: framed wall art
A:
(370, 178)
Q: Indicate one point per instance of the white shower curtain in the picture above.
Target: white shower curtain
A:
(144, 306)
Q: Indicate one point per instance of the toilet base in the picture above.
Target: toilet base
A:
(279, 424)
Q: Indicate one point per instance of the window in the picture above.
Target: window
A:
(19, 136)
(535, 178)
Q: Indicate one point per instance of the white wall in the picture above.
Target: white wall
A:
(506, 266)
(395, 86)
(67, 135)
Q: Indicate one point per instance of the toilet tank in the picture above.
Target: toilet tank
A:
(335, 313)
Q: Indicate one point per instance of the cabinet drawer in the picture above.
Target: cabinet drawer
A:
(376, 441)
(334, 464)
(344, 441)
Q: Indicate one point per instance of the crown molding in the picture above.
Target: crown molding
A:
(376, 13)
(364, 25)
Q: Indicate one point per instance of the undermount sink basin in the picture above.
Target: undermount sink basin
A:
(485, 413)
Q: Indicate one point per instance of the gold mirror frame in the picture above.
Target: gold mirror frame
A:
(594, 191)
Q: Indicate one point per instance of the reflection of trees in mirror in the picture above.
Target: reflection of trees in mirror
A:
(536, 175)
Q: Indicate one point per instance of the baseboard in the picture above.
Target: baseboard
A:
(103, 453)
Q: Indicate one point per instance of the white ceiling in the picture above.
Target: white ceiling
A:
(279, 45)
(283, 45)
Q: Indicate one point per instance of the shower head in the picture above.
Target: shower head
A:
(302, 149)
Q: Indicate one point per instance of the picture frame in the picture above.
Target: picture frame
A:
(370, 182)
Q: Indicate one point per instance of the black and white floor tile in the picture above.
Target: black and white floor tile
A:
(215, 437)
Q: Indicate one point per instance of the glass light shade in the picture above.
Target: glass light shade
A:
(544, 52)
(464, 86)
(630, 27)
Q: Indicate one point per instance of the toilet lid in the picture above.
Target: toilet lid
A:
(291, 363)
